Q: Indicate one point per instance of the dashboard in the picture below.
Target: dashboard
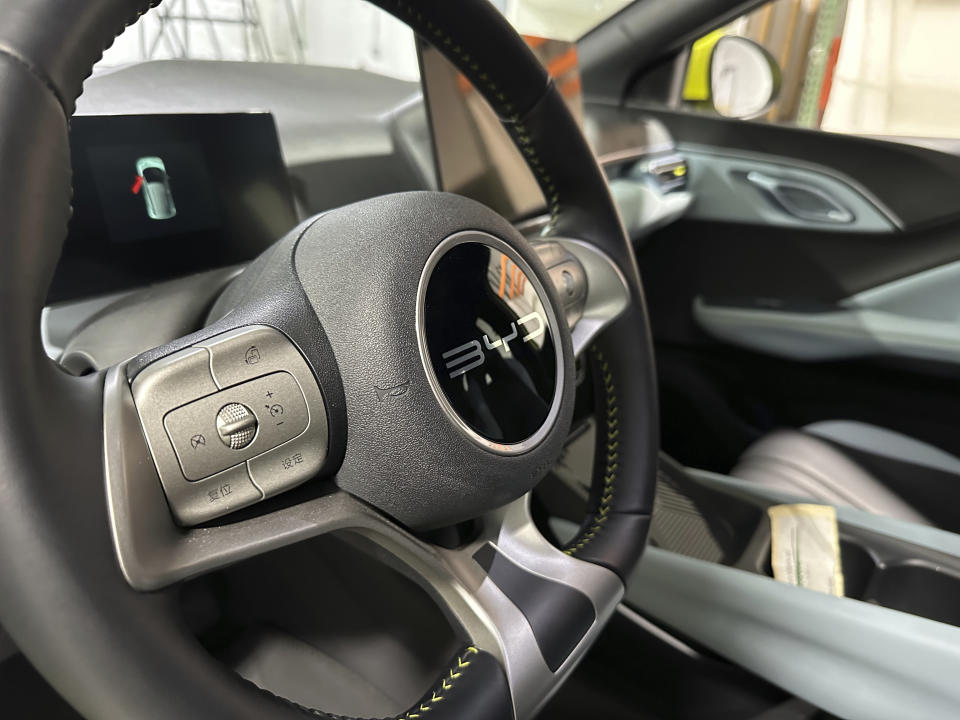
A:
(180, 170)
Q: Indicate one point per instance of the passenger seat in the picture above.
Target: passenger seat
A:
(842, 462)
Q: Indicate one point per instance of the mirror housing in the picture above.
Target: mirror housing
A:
(744, 78)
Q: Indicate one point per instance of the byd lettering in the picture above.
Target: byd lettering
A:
(470, 355)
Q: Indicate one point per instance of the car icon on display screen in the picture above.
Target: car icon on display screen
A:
(154, 183)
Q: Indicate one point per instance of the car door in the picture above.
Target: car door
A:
(816, 274)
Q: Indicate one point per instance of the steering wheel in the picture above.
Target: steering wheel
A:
(408, 359)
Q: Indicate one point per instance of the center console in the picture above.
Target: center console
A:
(889, 649)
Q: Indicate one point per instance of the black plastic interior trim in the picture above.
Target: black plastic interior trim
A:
(917, 183)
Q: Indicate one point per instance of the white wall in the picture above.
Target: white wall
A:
(558, 19)
(898, 72)
(338, 33)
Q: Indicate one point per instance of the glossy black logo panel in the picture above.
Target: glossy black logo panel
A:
(489, 342)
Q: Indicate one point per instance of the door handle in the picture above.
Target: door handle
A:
(800, 199)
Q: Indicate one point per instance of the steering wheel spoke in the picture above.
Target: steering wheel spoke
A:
(530, 605)
(153, 549)
(511, 594)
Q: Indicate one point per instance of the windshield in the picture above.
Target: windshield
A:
(559, 19)
(327, 33)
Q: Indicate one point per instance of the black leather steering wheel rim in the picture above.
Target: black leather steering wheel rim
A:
(66, 603)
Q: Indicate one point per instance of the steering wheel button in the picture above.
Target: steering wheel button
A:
(248, 353)
(173, 381)
(236, 424)
(206, 412)
(216, 495)
(288, 465)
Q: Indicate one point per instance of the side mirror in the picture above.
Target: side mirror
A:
(744, 78)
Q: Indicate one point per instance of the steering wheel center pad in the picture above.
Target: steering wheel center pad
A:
(360, 268)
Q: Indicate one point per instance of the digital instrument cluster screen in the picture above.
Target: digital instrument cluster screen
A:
(160, 196)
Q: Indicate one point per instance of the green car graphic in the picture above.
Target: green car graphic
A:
(156, 188)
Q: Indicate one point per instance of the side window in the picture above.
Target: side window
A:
(871, 67)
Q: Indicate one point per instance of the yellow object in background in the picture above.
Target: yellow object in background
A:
(805, 547)
(696, 83)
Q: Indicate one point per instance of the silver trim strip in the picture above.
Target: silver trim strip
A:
(847, 332)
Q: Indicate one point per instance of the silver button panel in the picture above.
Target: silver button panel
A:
(274, 399)
(568, 277)
(180, 398)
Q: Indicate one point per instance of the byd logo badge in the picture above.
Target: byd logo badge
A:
(470, 355)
